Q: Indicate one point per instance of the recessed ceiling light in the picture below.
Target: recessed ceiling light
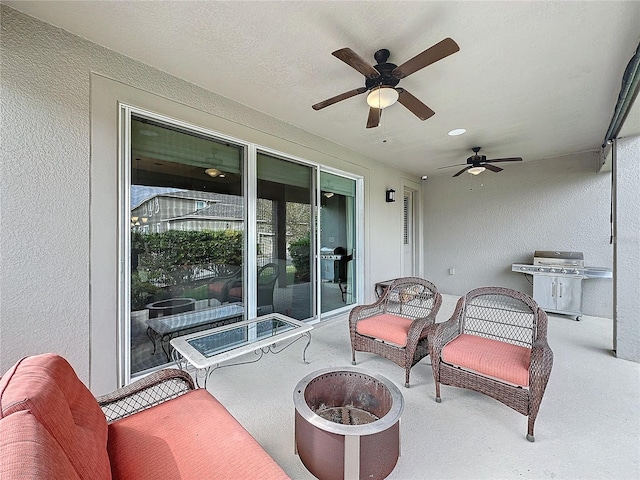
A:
(457, 131)
(149, 133)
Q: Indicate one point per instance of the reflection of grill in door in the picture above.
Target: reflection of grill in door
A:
(333, 264)
(333, 267)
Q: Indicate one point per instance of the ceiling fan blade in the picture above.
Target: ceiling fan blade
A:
(513, 159)
(449, 166)
(463, 170)
(339, 98)
(354, 60)
(374, 117)
(493, 168)
(414, 105)
(431, 55)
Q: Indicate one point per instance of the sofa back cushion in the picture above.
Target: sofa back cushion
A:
(29, 451)
(47, 387)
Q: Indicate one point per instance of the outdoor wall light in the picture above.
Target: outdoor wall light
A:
(391, 195)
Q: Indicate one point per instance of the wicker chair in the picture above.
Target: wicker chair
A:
(495, 343)
(218, 288)
(397, 326)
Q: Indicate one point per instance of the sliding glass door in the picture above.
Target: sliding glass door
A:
(285, 240)
(215, 230)
(337, 241)
(187, 225)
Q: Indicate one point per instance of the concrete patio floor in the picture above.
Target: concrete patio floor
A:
(588, 425)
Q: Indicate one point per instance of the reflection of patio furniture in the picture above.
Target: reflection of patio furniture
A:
(495, 343)
(218, 289)
(397, 326)
(171, 306)
(165, 328)
(51, 426)
(267, 277)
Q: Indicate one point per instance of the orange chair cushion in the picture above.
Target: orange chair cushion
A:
(500, 360)
(47, 387)
(236, 292)
(387, 327)
(217, 287)
(192, 436)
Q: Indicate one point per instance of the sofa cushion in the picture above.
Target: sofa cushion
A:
(386, 326)
(28, 451)
(48, 388)
(192, 436)
(500, 360)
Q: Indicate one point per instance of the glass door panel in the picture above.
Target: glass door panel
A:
(285, 237)
(187, 236)
(337, 241)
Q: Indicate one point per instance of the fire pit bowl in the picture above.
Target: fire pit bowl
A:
(347, 424)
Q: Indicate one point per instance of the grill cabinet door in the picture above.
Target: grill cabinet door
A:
(544, 291)
(569, 295)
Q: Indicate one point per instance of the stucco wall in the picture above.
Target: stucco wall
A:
(480, 225)
(627, 261)
(46, 184)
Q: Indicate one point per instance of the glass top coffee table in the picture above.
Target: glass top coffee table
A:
(207, 350)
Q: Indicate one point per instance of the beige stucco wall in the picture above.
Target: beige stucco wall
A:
(52, 182)
(627, 257)
(481, 225)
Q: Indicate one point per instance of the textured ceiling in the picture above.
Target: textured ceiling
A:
(531, 79)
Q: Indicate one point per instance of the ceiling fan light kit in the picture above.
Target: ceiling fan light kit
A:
(476, 170)
(382, 97)
(381, 80)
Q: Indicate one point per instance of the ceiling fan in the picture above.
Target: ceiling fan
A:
(382, 78)
(476, 164)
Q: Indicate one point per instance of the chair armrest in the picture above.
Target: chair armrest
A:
(418, 328)
(152, 390)
(444, 332)
(365, 311)
(541, 363)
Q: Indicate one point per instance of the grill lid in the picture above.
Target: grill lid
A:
(543, 257)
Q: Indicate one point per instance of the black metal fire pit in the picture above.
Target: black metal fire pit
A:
(162, 308)
(347, 424)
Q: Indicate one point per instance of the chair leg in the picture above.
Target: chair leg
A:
(353, 357)
(406, 377)
(438, 399)
(532, 420)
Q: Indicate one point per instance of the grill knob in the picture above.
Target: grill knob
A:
(524, 269)
(553, 270)
(577, 272)
(564, 270)
(541, 269)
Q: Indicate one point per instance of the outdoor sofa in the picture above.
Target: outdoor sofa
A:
(51, 427)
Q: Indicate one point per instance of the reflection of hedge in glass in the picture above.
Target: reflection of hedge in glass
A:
(300, 251)
(176, 257)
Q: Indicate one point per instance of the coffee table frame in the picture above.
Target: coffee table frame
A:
(185, 354)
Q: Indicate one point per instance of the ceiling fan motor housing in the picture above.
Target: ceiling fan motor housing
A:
(385, 78)
(476, 159)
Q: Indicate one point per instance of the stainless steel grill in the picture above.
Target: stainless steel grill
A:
(557, 280)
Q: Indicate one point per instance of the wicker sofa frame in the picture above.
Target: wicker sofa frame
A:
(409, 297)
(151, 390)
(506, 315)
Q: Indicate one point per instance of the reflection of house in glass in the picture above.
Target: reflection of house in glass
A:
(188, 210)
(198, 211)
